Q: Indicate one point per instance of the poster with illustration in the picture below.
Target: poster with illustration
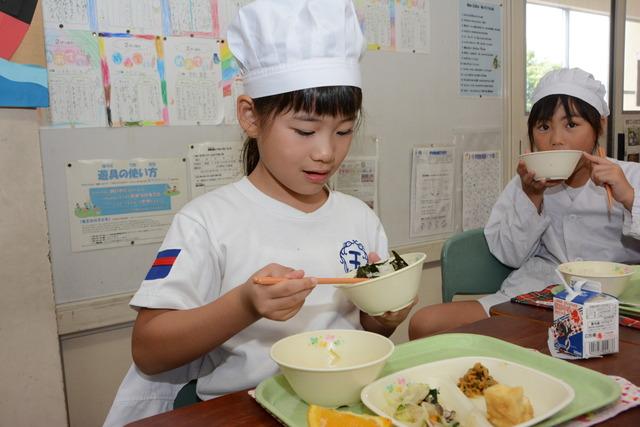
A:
(194, 90)
(133, 78)
(114, 203)
(76, 96)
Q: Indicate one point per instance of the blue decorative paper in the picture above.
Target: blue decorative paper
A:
(23, 86)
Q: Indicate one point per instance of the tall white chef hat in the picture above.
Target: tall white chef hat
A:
(575, 82)
(287, 45)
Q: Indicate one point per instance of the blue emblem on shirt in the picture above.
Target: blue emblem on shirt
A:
(353, 255)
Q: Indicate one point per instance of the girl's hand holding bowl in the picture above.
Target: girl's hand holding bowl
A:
(532, 187)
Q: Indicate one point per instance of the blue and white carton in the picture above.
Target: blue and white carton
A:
(585, 321)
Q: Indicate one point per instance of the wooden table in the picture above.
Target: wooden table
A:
(240, 409)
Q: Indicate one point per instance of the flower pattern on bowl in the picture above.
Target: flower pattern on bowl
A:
(328, 342)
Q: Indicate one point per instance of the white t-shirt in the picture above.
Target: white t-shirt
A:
(219, 240)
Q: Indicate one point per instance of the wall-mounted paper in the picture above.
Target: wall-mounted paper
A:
(227, 11)
(193, 18)
(68, 14)
(358, 177)
(75, 81)
(115, 203)
(134, 16)
(481, 186)
(193, 81)
(213, 164)
(133, 77)
(378, 23)
(22, 85)
(432, 193)
(413, 26)
(480, 27)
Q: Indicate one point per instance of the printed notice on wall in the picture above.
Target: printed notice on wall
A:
(481, 186)
(480, 49)
(432, 191)
(213, 164)
(357, 177)
(115, 203)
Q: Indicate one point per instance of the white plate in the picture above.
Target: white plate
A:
(548, 395)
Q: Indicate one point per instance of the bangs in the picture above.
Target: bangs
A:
(544, 109)
(334, 101)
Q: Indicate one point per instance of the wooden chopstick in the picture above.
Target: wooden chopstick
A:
(262, 280)
(602, 154)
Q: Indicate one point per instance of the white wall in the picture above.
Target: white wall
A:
(31, 388)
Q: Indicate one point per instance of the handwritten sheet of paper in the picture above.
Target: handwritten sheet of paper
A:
(432, 191)
(115, 203)
(213, 164)
(135, 16)
(76, 95)
(194, 17)
(227, 12)
(377, 21)
(132, 75)
(193, 81)
(357, 176)
(71, 14)
(481, 186)
(413, 26)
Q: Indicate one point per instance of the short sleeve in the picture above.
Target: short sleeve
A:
(186, 272)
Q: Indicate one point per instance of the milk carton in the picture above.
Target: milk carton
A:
(585, 321)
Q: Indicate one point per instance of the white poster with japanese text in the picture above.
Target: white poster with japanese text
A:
(480, 29)
(481, 186)
(114, 203)
(358, 177)
(213, 164)
(432, 191)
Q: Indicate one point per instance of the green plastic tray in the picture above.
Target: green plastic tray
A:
(593, 389)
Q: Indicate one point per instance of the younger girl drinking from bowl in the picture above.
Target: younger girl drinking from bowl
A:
(200, 314)
(537, 225)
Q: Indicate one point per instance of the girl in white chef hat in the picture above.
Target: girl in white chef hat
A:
(200, 314)
(536, 225)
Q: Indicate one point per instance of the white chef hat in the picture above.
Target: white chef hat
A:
(287, 45)
(575, 82)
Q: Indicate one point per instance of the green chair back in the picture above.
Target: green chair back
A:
(468, 267)
(187, 395)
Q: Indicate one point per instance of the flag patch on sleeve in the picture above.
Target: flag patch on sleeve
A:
(162, 265)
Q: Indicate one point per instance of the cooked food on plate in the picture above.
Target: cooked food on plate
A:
(475, 381)
(507, 406)
(417, 405)
(371, 271)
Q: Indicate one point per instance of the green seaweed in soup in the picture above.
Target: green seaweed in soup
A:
(371, 271)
